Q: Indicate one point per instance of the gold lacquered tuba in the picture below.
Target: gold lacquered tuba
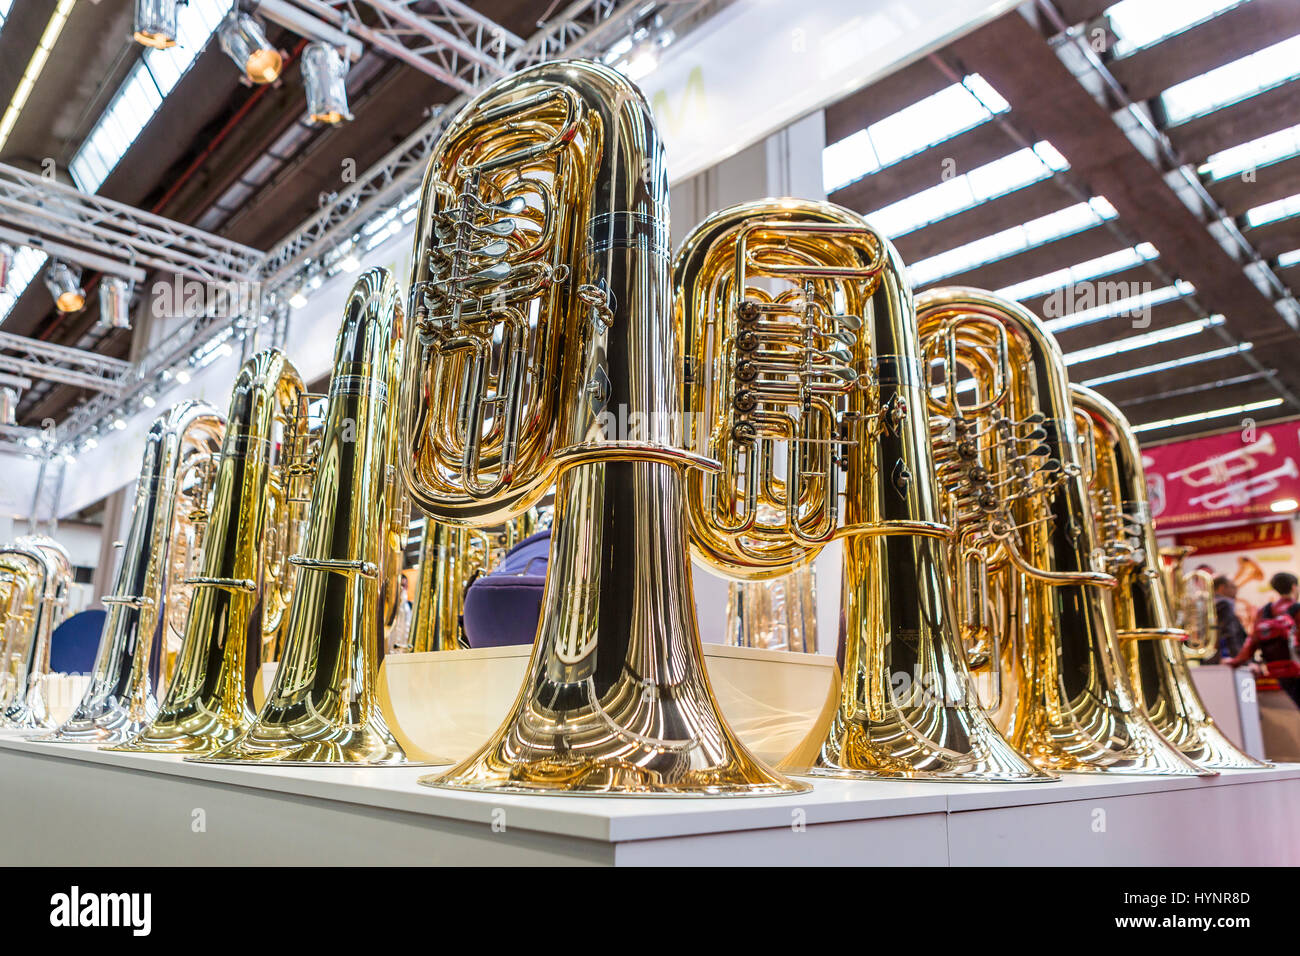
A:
(159, 550)
(42, 574)
(804, 363)
(239, 588)
(1191, 600)
(1009, 460)
(1149, 640)
(451, 557)
(322, 708)
(540, 329)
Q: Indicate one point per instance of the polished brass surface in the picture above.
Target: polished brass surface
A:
(323, 709)
(1148, 637)
(159, 554)
(241, 583)
(542, 351)
(777, 614)
(451, 557)
(805, 373)
(42, 573)
(1191, 601)
(1010, 461)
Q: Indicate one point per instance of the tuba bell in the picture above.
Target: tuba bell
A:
(805, 374)
(541, 351)
(1149, 641)
(238, 589)
(1009, 461)
(163, 538)
(322, 708)
(42, 574)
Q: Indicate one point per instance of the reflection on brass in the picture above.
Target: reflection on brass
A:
(541, 352)
(323, 708)
(777, 614)
(1151, 643)
(40, 574)
(1012, 466)
(242, 583)
(806, 383)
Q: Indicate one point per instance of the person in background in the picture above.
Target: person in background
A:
(1285, 585)
(1232, 634)
(1273, 637)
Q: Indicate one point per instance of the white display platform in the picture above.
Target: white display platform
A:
(70, 805)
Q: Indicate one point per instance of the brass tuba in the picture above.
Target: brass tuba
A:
(451, 557)
(322, 708)
(1191, 599)
(159, 550)
(805, 374)
(1151, 644)
(541, 351)
(1009, 459)
(42, 574)
(238, 590)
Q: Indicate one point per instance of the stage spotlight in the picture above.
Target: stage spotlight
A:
(64, 283)
(155, 23)
(114, 303)
(324, 73)
(6, 264)
(245, 42)
(8, 406)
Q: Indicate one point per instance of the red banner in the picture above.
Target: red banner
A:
(1238, 537)
(1234, 476)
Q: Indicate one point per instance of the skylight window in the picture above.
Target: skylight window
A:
(1258, 152)
(1173, 363)
(1273, 211)
(1217, 413)
(142, 92)
(1142, 23)
(1022, 168)
(1092, 269)
(5, 7)
(1142, 341)
(1134, 305)
(1233, 81)
(1011, 241)
(912, 129)
(27, 264)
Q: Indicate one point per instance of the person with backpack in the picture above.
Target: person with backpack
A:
(1273, 636)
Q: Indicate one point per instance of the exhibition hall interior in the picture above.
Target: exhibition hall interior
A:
(649, 433)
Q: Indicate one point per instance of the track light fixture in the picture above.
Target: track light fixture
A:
(155, 23)
(244, 41)
(8, 406)
(114, 303)
(324, 73)
(64, 283)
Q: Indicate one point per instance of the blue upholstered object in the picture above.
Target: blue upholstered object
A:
(75, 641)
(502, 608)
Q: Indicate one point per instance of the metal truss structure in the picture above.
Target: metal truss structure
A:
(59, 363)
(114, 230)
(454, 43)
(443, 38)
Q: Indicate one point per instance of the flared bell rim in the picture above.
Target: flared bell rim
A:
(514, 788)
(925, 776)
